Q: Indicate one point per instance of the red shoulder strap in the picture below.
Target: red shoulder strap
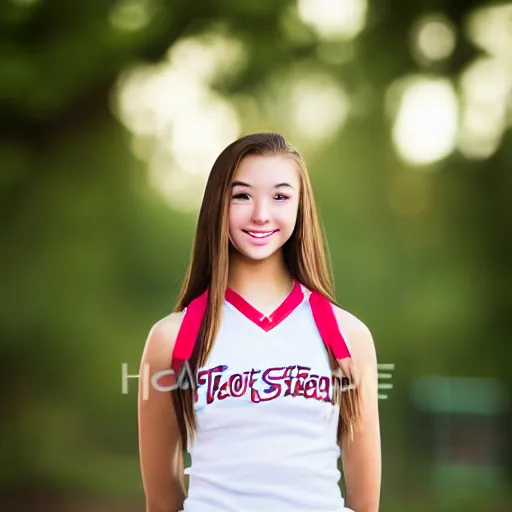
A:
(188, 332)
(327, 325)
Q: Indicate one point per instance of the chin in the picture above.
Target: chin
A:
(258, 255)
(250, 253)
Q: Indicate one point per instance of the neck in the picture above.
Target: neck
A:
(265, 284)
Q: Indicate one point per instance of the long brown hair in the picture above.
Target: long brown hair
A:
(304, 254)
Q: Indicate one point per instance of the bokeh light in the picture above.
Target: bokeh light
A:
(489, 28)
(334, 19)
(433, 39)
(131, 15)
(179, 123)
(425, 124)
(319, 107)
(486, 85)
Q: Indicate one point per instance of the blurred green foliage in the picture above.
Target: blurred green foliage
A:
(92, 255)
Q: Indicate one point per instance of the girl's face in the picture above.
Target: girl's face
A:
(264, 205)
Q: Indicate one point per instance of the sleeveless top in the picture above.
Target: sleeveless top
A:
(266, 438)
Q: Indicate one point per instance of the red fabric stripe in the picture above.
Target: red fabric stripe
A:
(327, 325)
(189, 330)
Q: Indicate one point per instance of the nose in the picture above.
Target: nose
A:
(261, 212)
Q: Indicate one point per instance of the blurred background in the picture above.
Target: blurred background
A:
(112, 115)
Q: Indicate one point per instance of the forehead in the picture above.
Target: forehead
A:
(267, 171)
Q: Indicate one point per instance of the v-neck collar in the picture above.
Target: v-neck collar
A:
(289, 304)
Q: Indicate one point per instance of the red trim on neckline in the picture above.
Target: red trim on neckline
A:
(290, 303)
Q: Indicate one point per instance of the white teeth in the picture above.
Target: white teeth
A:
(260, 235)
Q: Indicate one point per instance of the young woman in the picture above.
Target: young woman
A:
(258, 329)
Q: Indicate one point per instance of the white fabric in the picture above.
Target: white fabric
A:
(278, 455)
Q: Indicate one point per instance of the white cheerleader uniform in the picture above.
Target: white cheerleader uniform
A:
(266, 438)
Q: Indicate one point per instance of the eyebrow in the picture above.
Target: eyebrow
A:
(243, 184)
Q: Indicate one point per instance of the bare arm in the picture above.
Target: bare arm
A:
(160, 454)
(361, 457)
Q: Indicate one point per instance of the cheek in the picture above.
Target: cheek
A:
(234, 216)
(288, 216)
(232, 222)
(237, 219)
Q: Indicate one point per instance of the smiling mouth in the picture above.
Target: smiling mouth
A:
(261, 234)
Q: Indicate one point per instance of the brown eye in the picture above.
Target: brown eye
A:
(240, 196)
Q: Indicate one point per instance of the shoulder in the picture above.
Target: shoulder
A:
(161, 340)
(167, 326)
(357, 335)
